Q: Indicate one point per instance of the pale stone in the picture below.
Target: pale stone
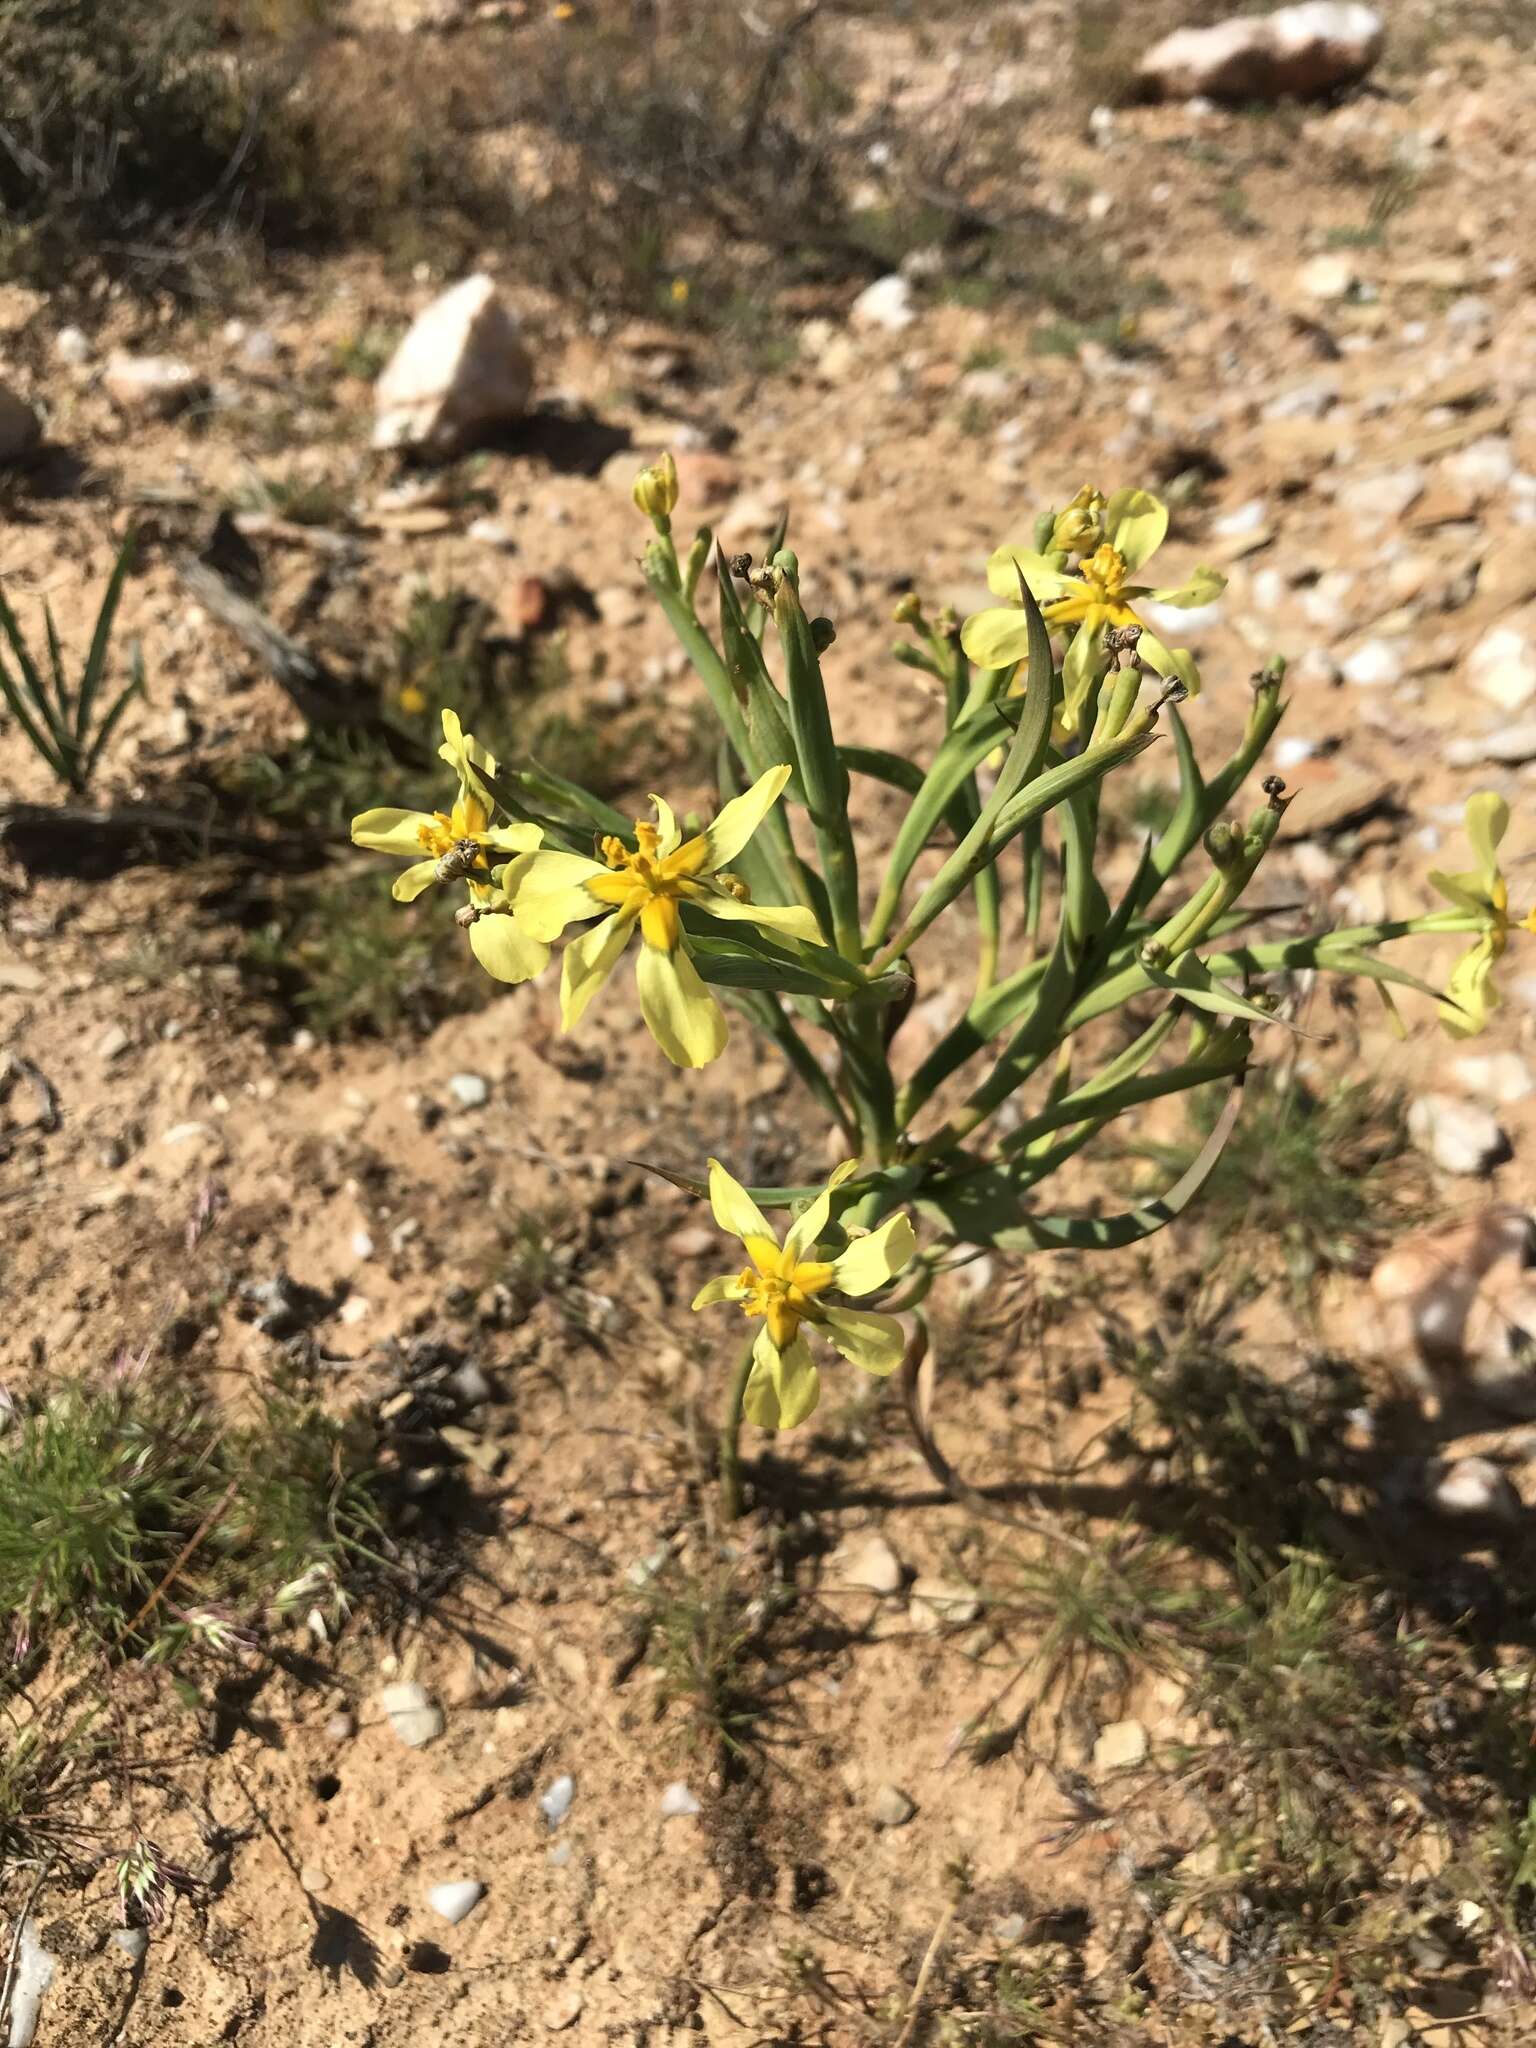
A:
(868, 1564)
(1298, 52)
(678, 1802)
(884, 306)
(1476, 1486)
(1119, 1744)
(892, 1808)
(460, 370)
(415, 1718)
(1498, 1077)
(150, 387)
(1458, 1136)
(1330, 276)
(1502, 666)
(1381, 500)
(1372, 663)
(453, 1901)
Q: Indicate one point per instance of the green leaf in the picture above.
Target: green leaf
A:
(764, 708)
(45, 749)
(822, 774)
(134, 687)
(985, 1207)
(741, 959)
(971, 741)
(101, 640)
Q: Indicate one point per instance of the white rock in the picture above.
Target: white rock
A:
(1498, 1077)
(150, 387)
(868, 1563)
(678, 1803)
(884, 306)
(362, 1245)
(72, 346)
(1476, 1486)
(1296, 53)
(461, 369)
(413, 1715)
(1502, 666)
(1309, 401)
(1381, 500)
(113, 1043)
(20, 430)
(493, 533)
(455, 1900)
(1292, 751)
(1482, 468)
(1330, 276)
(1508, 744)
(555, 1803)
(936, 1604)
(1373, 663)
(469, 1091)
(1242, 519)
(1325, 604)
(892, 1808)
(1458, 1136)
(1119, 1744)
(34, 1973)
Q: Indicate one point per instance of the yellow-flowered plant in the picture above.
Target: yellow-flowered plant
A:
(1101, 985)
(1471, 997)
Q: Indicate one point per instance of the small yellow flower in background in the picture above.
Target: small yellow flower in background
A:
(655, 488)
(562, 10)
(784, 1284)
(1472, 997)
(647, 888)
(1130, 527)
(412, 699)
(679, 291)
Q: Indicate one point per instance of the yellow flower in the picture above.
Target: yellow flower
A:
(679, 291)
(785, 1285)
(655, 488)
(451, 845)
(1080, 528)
(413, 699)
(648, 888)
(1099, 596)
(1471, 997)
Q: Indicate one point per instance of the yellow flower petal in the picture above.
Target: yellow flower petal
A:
(784, 1386)
(870, 1262)
(741, 817)
(734, 1209)
(727, 1288)
(461, 750)
(1486, 820)
(872, 1342)
(410, 882)
(1472, 995)
(504, 950)
(996, 638)
(588, 962)
(681, 1014)
(793, 921)
(669, 837)
(391, 831)
(550, 892)
(1081, 669)
(812, 1220)
(1135, 524)
(512, 838)
(1045, 580)
(1201, 586)
(1174, 662)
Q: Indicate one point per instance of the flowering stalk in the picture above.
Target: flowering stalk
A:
(773, 909)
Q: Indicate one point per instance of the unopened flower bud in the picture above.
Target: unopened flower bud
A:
(1224, 843)
(1153, 954)
(655, 488)
(1079, 528)
(909, 609)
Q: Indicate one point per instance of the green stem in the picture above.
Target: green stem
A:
(730, 1439)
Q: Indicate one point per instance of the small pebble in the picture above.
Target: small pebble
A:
(469, 1091)
(1119, 1744)
(113, 1042)
(313, 1878)
(412, 1714)
(677, 1802)
(455, 1900)
(892, 1808)
(133, 1941)
(556, 1802)
(563, 2011)
(470, 1385)
(868, 1563)
(362, 1245)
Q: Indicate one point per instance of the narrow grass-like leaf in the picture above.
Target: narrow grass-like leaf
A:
(101, 640)
(822, 774)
